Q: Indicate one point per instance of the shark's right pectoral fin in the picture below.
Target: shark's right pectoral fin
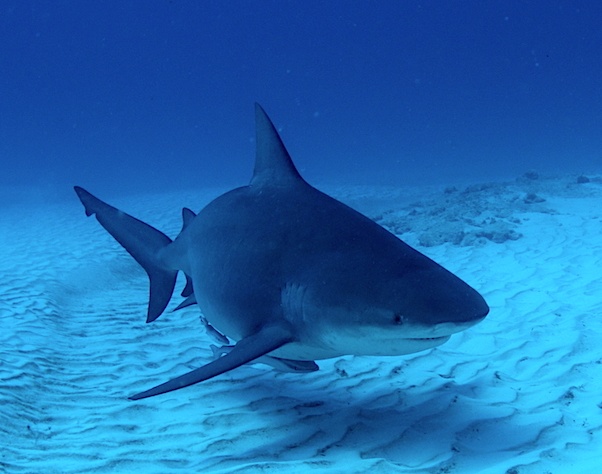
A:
(250, 348)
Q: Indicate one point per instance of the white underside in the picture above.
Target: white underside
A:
(358, 346)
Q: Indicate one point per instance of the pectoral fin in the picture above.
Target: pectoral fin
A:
(250, 348)
(278, 363)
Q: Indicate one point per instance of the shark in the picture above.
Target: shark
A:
(292, 275)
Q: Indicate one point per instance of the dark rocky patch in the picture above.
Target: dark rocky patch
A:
(479, 213)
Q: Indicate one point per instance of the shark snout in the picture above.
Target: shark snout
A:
(450, 306)
(465, 309)
(473, 308)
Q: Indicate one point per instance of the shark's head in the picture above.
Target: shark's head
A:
(392, 311)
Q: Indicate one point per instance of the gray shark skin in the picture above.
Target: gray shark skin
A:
(285, 270)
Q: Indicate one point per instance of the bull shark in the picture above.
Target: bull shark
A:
(292, 275)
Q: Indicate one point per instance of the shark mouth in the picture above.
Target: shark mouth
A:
(427, 338)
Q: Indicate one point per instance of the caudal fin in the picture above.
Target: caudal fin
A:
(142, 242)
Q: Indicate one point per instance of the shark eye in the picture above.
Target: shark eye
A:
(398, 319)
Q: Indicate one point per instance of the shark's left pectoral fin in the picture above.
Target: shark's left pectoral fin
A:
(280, 364)
(250, 348)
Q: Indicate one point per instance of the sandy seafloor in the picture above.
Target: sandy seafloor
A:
(519, 393)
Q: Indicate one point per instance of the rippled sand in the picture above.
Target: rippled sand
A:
(519, 393)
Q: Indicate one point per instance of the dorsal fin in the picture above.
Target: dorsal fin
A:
(273, 164)
(187, 216)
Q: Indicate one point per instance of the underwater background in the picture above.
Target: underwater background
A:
(472, 130)
(125, 95)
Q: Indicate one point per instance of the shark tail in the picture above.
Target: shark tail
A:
(142, 242)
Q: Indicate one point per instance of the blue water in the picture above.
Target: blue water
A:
(136, 95)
